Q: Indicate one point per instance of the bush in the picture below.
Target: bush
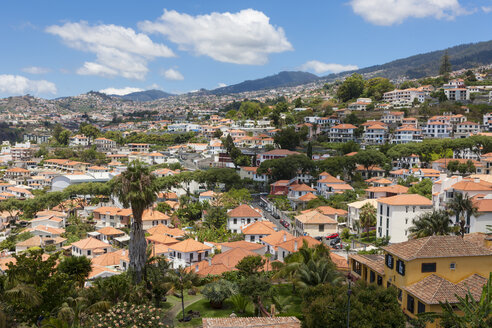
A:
(217, 292)
(126, 315)
(346, 233)
(240, 303)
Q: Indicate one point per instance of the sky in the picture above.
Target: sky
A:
(56, 48)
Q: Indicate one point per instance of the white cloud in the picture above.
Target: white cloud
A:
(320, 67)
(120, 51)
(19, 85)
(245, 37)
(154, 86)
(389, 12)
(120, 92)
(487, 9)
(36, 70)
(221, 85)
(173, 75)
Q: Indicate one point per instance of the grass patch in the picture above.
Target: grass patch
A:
(206, 311)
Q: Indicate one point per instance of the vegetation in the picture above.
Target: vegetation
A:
(431, 224)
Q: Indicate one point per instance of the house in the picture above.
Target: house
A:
(342, 133)
(368, 172)
(48, 221)
(161, 229)
(257, 230)
(483, 219)
(138, 147)
(405, 96)
(41, 242)
(107, 234)
(406, 134)
(466, 129)
(159, 239)
(280, 188)
(272, 241)
(207, 196)
(78, 140)
(438, 130)
(241, 216)
(152, 218)
(457, 94)
(117, 260)
(293, 245)
(385, 191)
(90, 247)
(275, 154)
(46, 231)
(254, 247)
(249, 172)
(315, 224)
(360, 104)
(187, 252)
(109, 216)
(104, 144)
(300, 193)
(17, 173)
(328, 185)
(427, 271)
(392, 117)
(375, 134)
(395, 215)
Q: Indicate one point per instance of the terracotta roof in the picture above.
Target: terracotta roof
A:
(395, 189)
(301, 187)
(434, 289)
(242, 244)
(208, 193)
(330, 179)
(111, 258)
(98, 270)
(344, 127)
(56, 231)
(406, 199)
(307, 197)
(190, 245)
(289, 245)
(467, 185)
(151, 215)
(162, 239)
(281, 152)
(373, 261)
(339, 261)
(259, 228)
(315, 217)
(277, 238)
(328, 210)
(249, 322)
(90, 243)
(436, 247)
(17, 169)
(165, 230)
(110, 231)
(243, 211)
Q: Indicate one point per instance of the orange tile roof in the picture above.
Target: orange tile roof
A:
(250, 322)
(396, 189)
(90, 243)
(111, 258)
(165, 230)
(328, 210)
(328, 178)
(289, 245)
(301, 187)
(259, 228)
(277, 238)
(436, 247)
(374, 261)
(190, 245)
(151, 215)
(162, 239)
(406, 199)
(467, 185)
(315, 217)
(110, 231)
(242, 244)
(307, 197)
(244, 211)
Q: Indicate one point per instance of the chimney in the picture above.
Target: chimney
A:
(285, 237)
(295, 246)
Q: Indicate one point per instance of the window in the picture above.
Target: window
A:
(406, 209)
(381, 209)
(321, 228)
(387, 223)
(356, 267)
(234, 221)
(400, 267)
(399, 294)
(410, 303)
(372, 276)
(420, 307)
(414, 209)
(387, 211)
(191, 256)
(88, 253)
(452, 266)
(252, 238)
(380, 220)
(380, 280)
(389, 261)
(428, 267)
(179, 255)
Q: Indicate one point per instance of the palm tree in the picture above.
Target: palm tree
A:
(181, 280)
(75, 309)
(458, 205)
(318, 272)
(463, 205)
(136, 188)
(367, 216)
(77, 267)
(469, 312)
(431, 224)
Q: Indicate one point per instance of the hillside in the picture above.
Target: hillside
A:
(282, 79)
(427, 64)
(147, 95)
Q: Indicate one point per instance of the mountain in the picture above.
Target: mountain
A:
(282, 79)
(427, 64)
(147, 95)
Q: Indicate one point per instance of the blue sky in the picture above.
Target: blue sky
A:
(60, 48)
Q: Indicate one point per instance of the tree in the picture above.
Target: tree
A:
(445, 67)
(63, 137)
(182, 279)
(288, 138)
(469, 312)
(77, 268)
(435, 223)
(216, 292)
(75, 308)
(462, 206)
(371, 306)
(318, 272)
(368, 158)
(298, 102)
(257, 288)
(351, 88)
(367, 216)
(250, 265)
(234, 197)
(89, 130)
(309, 152)
(423, 188)
(287, 167)
(377, 86)
(216, 217)
(217, 133)
(136, 188)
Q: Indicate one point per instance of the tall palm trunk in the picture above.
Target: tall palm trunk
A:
(182, 304)
(137, 247)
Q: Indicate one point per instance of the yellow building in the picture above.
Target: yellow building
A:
(427, 271)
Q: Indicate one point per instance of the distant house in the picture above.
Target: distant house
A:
(242, 215)
(187, 252)
(315, 224)
(90, 247)
(275, 154)
(342, 133)
(152, 218)
(257, 230)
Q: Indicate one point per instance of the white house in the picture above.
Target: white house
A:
(242, 215)
(187, 252)
(257, 230)
(395, 215)
(90, 247)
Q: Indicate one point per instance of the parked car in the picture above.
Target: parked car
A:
(319, 238)
(331, 236)
(335, 241)
(286, 224)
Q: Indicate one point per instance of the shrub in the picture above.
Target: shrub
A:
(346, 233)
(126, 315)
(240, 303)
(217, 292)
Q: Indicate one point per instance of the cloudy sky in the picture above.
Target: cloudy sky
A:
(61, 48)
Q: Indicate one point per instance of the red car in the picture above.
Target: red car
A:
(331, 236)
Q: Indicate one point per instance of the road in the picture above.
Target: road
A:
(270, 217)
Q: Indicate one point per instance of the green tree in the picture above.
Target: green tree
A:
(351, 88)
(182, 279)
(298, 103)
(309, 151)
(376, 87)
(77, 268)
(318, 272)
(216, 217)
(257, 288)
(216, 292)
(136, 188)
(250, 265)
(234, 197)
(288, 138)
(63, 137)
(445, 67)
(423, 188)
(435, 223)
(89, 130)
(367, 216)
(370, 157)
